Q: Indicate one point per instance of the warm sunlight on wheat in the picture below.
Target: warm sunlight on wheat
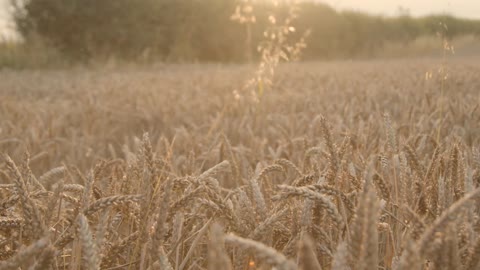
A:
(238, 135)
(358, 170)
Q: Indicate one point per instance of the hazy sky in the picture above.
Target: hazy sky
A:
(460, 8)
(3, 16)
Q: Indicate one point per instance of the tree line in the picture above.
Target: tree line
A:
(203, 30)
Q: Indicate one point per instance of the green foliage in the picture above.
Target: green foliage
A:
(202, 30)
(352, 34)
(169, 29)
(35, 54)
(85, 28)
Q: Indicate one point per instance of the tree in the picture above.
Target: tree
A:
(165, 29)
(82, 29)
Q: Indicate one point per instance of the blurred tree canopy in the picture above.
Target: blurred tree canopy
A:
(202, 30)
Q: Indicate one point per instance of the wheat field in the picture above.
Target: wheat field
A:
(340, 165)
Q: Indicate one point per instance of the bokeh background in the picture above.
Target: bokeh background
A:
(53, 32)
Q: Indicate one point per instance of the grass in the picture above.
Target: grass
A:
(429, 46)
(341, 165)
